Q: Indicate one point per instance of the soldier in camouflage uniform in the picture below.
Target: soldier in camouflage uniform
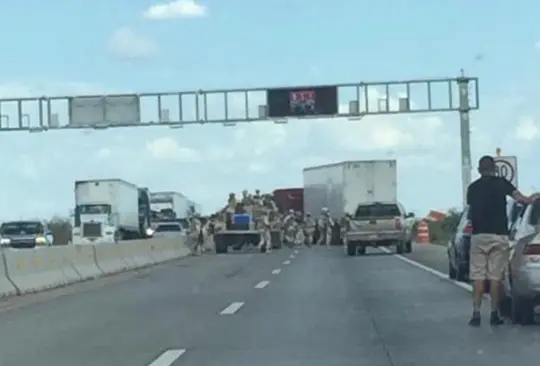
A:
(309, 225)
(195, 234)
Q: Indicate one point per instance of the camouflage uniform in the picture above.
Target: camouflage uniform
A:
(195, 235)
(325, 224)
(309, 224)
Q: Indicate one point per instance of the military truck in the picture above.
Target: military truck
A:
(240, 229)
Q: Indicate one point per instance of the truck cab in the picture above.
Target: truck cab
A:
(93, 224)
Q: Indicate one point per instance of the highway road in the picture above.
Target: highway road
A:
(312, 307)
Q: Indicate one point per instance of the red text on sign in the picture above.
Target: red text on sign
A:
(303, 95)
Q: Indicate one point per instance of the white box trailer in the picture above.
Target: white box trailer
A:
(195, 207)
(340, 187)
(169, 205)
(105, 209)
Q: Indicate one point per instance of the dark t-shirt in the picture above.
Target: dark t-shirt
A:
(486, 198)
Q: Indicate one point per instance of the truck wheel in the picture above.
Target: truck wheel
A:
(221, 244)
(408, 247)
(362, 250)
(351, 249)
(400, 247)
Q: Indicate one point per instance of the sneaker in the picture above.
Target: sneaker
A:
(495, 319)
(475, 320)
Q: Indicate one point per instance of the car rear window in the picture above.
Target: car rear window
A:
(377, 210)
(535, 214)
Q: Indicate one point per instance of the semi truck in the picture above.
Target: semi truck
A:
(341, 186)
(109, 210)
(169, 206)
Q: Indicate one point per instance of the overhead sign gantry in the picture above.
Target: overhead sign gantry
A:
(232, 106)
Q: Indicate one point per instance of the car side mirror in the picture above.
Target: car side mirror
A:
(409, 215)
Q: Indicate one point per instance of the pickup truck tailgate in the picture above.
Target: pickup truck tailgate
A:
(374, 225)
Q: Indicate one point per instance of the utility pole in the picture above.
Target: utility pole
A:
(229, 107)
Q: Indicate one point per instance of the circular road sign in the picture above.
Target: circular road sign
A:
(505, 169)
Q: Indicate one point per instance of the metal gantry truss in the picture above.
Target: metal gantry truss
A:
(232, 106)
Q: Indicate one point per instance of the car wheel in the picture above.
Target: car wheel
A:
(361, 250)
(522, 311)
(462, 273)
(505, 305)
(452, 273)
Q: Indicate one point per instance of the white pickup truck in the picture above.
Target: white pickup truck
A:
(378, 224)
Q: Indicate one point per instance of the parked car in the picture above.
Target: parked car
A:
(521, 283)
(458, 248)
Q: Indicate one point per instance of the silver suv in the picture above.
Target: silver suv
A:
(521, 283)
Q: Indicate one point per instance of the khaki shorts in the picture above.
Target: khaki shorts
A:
(489, 256)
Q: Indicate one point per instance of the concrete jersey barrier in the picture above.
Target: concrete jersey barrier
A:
(7, 288)
(31, 270)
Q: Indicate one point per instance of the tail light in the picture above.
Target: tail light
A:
(468, 229)
(532, 249)
(399, 225)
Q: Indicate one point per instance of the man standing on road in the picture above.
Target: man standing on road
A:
(490, 250)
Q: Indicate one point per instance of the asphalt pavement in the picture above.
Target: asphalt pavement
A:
(433, 256)
(315, 307)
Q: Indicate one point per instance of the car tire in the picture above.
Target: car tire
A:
(505, 307)
(361, 250)
(462, 274)
(522, 311)
(452, 273)
(400, 247)
(351, 249)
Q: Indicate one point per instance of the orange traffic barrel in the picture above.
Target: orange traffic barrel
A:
(422, 233)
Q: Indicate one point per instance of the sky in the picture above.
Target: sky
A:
(140, 46)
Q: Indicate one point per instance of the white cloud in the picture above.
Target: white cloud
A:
(167, 148)
(176, 9)
(527, 129)
(125, 44)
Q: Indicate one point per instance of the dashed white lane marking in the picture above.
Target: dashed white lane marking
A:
(292, 256)
(168, 357)
(434, 272)
(276, 271)
(296, 251)
(232, 308)
(287, 262)
(262, 284)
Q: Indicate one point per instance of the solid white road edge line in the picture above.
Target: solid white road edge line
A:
(168, 357)
(262, 284)
(434, 272)
(232, 308)
(287, 262)
(276, 271)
